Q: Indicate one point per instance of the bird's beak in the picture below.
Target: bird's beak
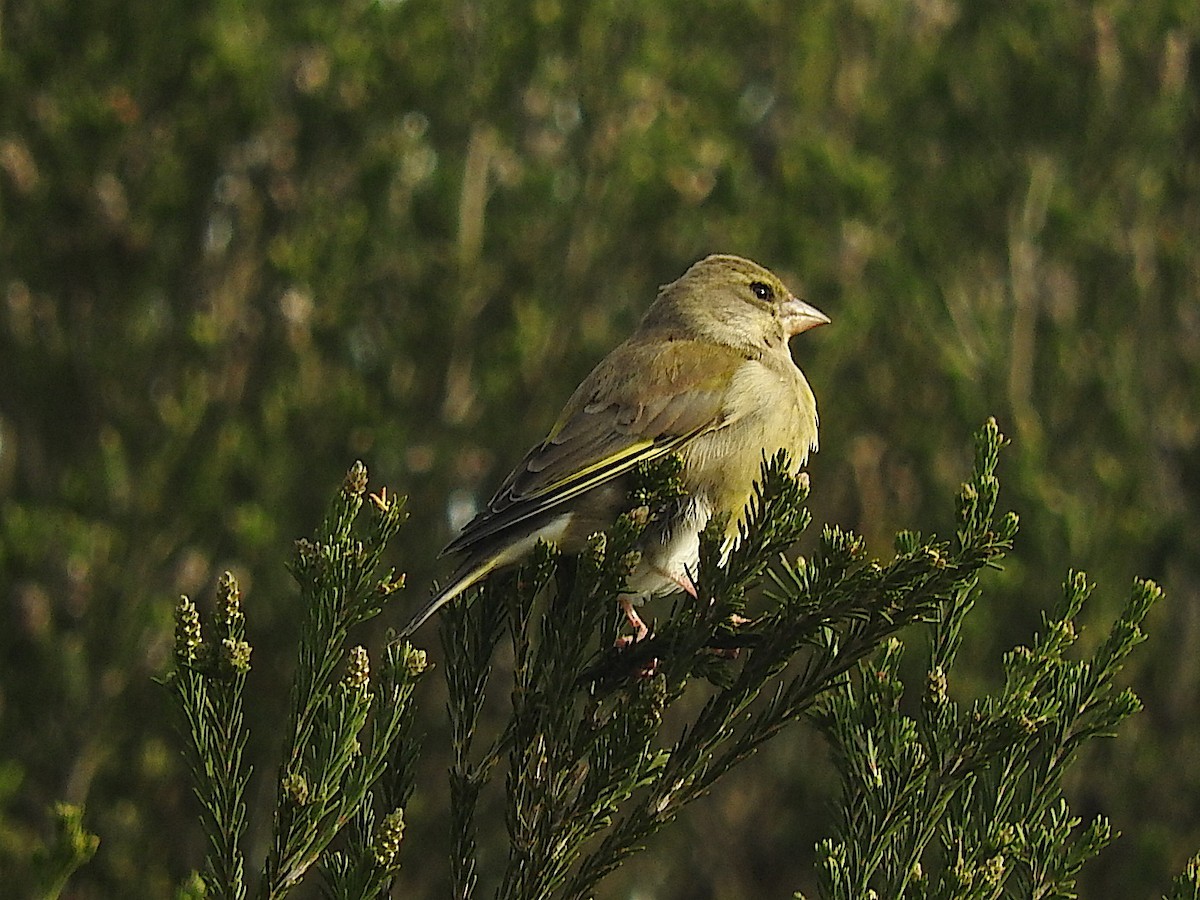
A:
(799, 316)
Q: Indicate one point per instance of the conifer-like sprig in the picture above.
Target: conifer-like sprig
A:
(339, 589)
(946, 801)
(590, 773)
(333, 765)
(70, 847)
(469, 636)
(371, 858)
(825, 615)
(968, 802)
(1186, 885)
(573, 760)
(209, 683)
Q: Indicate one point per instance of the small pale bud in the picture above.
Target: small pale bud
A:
(630, 560)
(596, 546)
(387, 839)
(356, 480)
(295, 788)
(230, 599)
(937, 685)
(235, 656)
(993, 869)
(187, 631)
(358, 669)
(413, 661)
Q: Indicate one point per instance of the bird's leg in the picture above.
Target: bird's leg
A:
(625, 640)
(635, 621)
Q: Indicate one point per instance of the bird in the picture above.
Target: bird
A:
(708, 375)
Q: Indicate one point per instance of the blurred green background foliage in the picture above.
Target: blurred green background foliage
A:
(244, 244)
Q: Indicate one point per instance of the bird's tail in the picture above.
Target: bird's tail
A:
(469, 573)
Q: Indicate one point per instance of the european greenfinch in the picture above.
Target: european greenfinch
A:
(707, 375)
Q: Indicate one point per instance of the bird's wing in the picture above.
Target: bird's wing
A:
(640, 403)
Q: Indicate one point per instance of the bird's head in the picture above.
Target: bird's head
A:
(733, 301)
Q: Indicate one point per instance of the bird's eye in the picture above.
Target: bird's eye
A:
(762, 291)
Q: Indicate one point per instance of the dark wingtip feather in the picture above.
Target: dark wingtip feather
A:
(469, 573)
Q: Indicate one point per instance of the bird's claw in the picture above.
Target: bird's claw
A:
(641, 629)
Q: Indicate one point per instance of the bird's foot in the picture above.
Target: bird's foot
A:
(641, 632)
(641, 629)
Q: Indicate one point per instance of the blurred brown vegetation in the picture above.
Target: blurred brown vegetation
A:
(242, 245)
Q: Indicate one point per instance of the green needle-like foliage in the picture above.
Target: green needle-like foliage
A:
(209, 684)
(71, 847)
(601, 742)
(332, 776)
(966, 802)
(1187, 884)
(591, 774)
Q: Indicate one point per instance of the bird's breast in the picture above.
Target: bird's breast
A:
(772, 408)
